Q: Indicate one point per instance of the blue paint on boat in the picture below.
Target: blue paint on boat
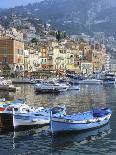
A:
(81, 121)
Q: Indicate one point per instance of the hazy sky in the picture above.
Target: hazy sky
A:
(12, 3)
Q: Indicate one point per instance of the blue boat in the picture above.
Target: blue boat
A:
(81, 121)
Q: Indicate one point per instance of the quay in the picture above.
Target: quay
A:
(11, 88)
(20, 81)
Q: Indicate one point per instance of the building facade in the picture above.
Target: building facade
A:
(12, 54)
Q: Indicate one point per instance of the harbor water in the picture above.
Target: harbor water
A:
(39, 141)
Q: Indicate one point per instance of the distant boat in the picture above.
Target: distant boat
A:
(50, 87)
(109, 79)
(81, 121)
(90, 81)
(73, 86)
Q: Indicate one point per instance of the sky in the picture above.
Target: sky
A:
(12, 3)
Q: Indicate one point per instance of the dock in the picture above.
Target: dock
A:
(10, 88)
(20, 81)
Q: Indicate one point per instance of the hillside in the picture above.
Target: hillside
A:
(73, 16)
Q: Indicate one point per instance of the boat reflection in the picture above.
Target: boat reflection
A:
(81, 137)
(25, 141)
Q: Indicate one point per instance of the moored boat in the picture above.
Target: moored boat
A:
(5, 103)
(49, 87)
(73, 86)
(109, 79)
(91, 81)
(81, 121)
(6, 85)
(22, 115)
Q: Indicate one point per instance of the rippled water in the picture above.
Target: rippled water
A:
(101, 141)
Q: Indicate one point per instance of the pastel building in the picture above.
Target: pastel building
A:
(12, 54)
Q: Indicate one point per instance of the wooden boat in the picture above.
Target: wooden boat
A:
(81, 121)
(21, 115)
(5, 103)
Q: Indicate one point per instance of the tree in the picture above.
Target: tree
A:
(34, 40)
(58, 35)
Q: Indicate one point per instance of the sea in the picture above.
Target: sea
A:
(39, 141)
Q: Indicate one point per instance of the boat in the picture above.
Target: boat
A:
(109, 79)
(90, 81)
(81, 121)
(5, 103)
(6, 85)
(45, 89)
(23, 116)
(73, 86)
(50, 87)
(61, 84)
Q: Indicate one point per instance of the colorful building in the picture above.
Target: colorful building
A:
(12, 54)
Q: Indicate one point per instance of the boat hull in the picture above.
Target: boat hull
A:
(10, 121)
(26, 123)
(59, 125)
(108, 82)
(91, 82)
(47, 91)
(74, 87)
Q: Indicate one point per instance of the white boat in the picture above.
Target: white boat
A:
(50, 87)
(45, 88)
(90, 81)
(6, 85)
(73, 86)
(22, 115)
(4, 81)
(62, 86)
(109, 79)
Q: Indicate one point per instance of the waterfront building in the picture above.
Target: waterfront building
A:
(97, 60)
(107, 63)
(85, 52)
(86, 68)
(50, 58)
(33, 60)
(43, 58)
(27, 60)
(59, 58)
(12, 54)
(74, 63)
